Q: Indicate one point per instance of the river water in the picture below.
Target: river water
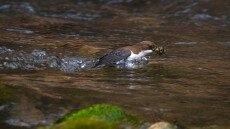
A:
(47, 49)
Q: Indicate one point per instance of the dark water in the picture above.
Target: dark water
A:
(47, 48)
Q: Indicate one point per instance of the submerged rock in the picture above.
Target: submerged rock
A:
(163, 125)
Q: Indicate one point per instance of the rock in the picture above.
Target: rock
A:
(163, 125)
(84, 123)
(103, 112)
(101, 116)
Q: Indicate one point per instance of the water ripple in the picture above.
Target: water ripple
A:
(21, 7)
(23, 31)
(204, 16)
(73, 16)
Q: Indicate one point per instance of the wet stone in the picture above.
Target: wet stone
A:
(163, 125)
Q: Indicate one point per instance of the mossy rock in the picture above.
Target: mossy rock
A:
(103, 112)
(102, 116)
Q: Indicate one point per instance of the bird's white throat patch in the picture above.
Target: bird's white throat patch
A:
(138, 56)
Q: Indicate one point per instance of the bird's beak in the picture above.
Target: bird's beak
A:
(159, 50)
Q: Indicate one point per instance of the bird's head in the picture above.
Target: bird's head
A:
(159, 50)
(148, 45)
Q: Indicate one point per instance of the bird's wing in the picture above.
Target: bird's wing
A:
(114, 56)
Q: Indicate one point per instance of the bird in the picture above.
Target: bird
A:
(129, 53)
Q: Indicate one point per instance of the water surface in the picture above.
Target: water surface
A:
(47, 46)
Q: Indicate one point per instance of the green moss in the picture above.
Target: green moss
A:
(102, 116)
(103, 112)
(4, 93)
(83, 123)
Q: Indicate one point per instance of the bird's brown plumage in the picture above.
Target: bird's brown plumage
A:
(144, 45)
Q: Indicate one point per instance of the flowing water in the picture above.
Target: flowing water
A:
(47, 49)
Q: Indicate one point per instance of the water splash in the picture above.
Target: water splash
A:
(40, 60)
(125, 64)
(5, 50)
(69, 64)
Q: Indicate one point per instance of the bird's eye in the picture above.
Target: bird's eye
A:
(151, 47)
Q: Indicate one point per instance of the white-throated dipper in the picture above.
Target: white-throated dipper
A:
(129, 53)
